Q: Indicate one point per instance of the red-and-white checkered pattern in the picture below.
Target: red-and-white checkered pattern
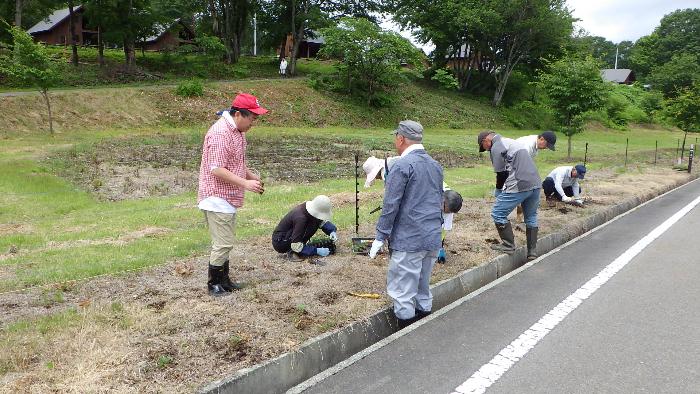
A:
(224, 147)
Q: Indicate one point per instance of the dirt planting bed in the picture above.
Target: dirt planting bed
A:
(169, 164)
(157, 330)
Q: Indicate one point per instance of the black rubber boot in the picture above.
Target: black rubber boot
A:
(421, 314)
(531, 234)
(507, 245)
(214, 282)
(403, 323)
(226, 282)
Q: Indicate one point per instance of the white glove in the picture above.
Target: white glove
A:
(579, 200)
(376, 245)
(566, 199)
(333, 236)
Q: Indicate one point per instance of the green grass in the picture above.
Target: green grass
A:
(162, 68)
(66, 233)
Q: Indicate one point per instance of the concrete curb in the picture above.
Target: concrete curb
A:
(322, 352)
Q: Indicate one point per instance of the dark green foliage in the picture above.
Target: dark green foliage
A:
(574, 87)
(191, 88)
(668, 58)
(370, 57)
(529, 115)
(678, 73)
(445, 79)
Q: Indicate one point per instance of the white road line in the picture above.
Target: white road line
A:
(490, 372)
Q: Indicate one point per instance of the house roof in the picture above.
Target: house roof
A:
(52, 20)
(619, 75)
(161, 29)
(317, 39)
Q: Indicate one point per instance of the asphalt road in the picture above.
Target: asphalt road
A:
(637, 332)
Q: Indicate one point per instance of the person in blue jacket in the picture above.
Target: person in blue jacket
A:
(411, 224)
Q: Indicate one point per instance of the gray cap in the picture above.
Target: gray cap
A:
(410, 129)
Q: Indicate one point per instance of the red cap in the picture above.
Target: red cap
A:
(249, 102)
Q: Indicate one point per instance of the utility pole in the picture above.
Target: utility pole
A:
(617, 50)
(255, 34)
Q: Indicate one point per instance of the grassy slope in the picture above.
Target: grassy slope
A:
(292, 103)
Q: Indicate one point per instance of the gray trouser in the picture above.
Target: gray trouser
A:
(408, 281)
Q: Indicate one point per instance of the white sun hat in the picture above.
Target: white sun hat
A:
(374, 166)
(320, 207)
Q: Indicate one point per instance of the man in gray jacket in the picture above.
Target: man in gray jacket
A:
(522, 186)
(411, 223)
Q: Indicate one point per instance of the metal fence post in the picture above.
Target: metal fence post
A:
(656, 151)
(627, 144)
(585, 156)
(691, 153)
(357, 194)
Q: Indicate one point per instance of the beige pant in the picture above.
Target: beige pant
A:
(222, 228)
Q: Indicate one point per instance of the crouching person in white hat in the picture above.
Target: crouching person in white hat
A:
(300, 224)
(410, 223)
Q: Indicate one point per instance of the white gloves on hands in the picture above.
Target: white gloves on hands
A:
(333, 236)
(376, 245)
(579, 201)
(567, 199)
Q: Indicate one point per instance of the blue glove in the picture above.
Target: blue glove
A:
(442, 256)
(329, 228)
(323, 252)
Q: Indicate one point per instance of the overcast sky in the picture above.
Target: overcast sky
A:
(619, 20)
(616, 20)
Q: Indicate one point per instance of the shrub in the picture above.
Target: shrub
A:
(445, 78)
(529, 115)
(190, 88)
(615, 107)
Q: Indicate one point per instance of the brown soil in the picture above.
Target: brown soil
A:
(158, 330)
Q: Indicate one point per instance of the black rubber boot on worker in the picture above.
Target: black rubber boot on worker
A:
(403, 323)
(214, 283)
(531, 234)
(226, 282)
(507, 245)
(421, 314)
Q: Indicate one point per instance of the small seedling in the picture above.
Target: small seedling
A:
(164, 361)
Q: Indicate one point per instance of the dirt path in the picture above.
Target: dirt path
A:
(158, 329)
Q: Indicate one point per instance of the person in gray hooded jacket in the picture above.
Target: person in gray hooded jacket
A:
(522, 186)
(411, 223)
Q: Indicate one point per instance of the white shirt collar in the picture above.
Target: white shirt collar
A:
(229, 118)
(411, 148)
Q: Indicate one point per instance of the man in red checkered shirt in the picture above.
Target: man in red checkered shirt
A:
(223, 179)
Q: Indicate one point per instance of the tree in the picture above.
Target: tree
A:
(71, 23)
(301, 18)
(574, 87)
(31, 65)
(684, 110)
(124, 21)
(675, 75)
(371, 57)
(500, 34)
(598, 47)
(678, 33)
(25, 13)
